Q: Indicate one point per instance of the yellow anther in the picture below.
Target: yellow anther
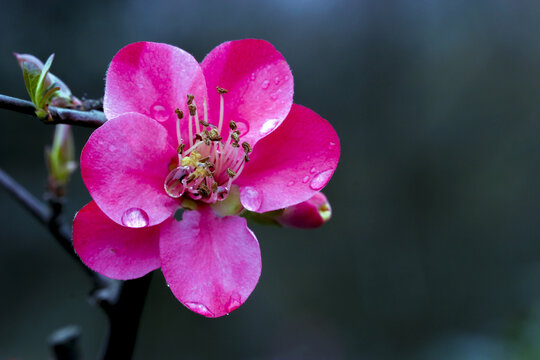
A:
(192, 159)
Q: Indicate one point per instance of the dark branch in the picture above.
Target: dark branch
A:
(124, 317)
(48, 216)
(92, 119)
(123, 302)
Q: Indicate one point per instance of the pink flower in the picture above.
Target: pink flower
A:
(170, 144)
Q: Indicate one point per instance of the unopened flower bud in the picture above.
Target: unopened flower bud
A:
(32, 67)
(311, 213)
(60, 159)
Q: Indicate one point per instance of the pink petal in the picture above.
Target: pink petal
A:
(211, 264)
(291, 164)
(308, 214)
(259, 84)
(113, 250)
(153, 79)
(124, 165)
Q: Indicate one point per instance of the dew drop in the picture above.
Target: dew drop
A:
(291, 183)
(276, 80)
(331, 145)
(234, 303)
(199, 309)
(135, 218)
(242, 127)
(286, 77)
(173, 182)
(253, 77)
(269, 126)
(305, 179)
(320, 180)
(112, 148)
(159, 113)
(251, 198)
(273, 97)
(265, 84)
(313, 170)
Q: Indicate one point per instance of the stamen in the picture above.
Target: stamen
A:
(235, 136)
(221, 110)
(180, 149)
(247, 147)
(179, 116)
(190, 130)
(230, 172)
(214, 135)
(190, 98)
(191, 149)
(232, 125)
(192, 109)
(204, 191)
(191, 177)
(197, 127)
(205, 112)
(221, 90)
(239, 171)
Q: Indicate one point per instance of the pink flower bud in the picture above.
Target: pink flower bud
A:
(311, 213)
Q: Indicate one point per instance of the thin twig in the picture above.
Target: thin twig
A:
(122, 301)
(91, 119)
(48, 216)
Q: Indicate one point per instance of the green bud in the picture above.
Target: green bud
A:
(60, 159)
(44, 88)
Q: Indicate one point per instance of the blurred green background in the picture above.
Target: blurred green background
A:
(433, 251)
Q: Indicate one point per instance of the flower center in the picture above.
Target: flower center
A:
(207, 168)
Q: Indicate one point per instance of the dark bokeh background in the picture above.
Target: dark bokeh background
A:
(433, 251)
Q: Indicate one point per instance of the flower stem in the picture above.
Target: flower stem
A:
(91, 119)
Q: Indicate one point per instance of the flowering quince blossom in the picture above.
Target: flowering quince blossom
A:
(215, 139)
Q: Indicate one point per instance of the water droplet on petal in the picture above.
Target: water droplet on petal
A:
(268, 126)
(242, 127)
(276, 80)
(320, 180)
(305, 179)
(135, 218)
(286, 77)
(273, 97)
(159, 113)
(233, 304)
(173, 182)
(251, 198)
(199, 309)
(313, 170)
(291, 183)
(112, 148)
(265, 84)
(253, 76)
(331, 145)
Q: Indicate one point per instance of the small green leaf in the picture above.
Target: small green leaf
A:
(44, 71)
(31, 74)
